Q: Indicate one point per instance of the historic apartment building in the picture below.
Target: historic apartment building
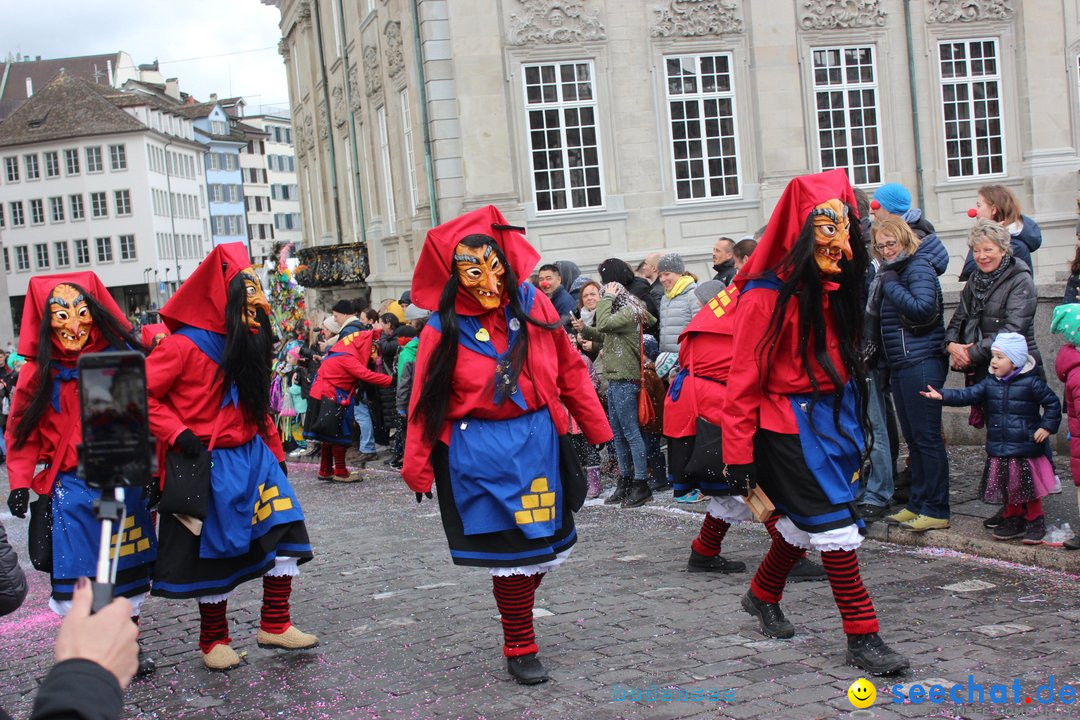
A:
(612, 128)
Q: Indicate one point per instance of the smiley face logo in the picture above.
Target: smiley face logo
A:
(862, 693)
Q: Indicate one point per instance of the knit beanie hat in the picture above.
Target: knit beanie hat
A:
(671, 263)
(1066, 322)
(1013, 346)
(415, 312)
(331, 325)
(894, 197)
(343, 306)
(707, 290)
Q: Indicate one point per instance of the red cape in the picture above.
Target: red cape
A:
(437, 257)
(200, 300)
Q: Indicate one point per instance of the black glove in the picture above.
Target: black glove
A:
(284, 468)
(419, 496)
(153, 493)
(189, 443)
(19, 500)
(741, 477)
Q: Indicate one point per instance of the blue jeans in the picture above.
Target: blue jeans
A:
(878, 483)
(362, 415)
(622, 414)
(920, 421)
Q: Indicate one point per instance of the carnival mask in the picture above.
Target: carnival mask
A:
(832, 233)
(481, 273)
(69, 316)
(255, 299)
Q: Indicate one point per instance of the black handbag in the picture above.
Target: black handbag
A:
(329, 419)
(918, 329)
(573, 474)
(706, 462)
(187, 484)
(39, 535)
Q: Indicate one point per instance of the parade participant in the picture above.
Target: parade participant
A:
(485, 419)
(693, 408)
(336, 382)
(152, 334)
(793, 420)
(65, 316)
(209, 390)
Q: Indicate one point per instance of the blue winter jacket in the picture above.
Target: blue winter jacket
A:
(915, 293)
(1012, 411)
(1023, 243)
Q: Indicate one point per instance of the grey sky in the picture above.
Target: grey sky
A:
(184, 35)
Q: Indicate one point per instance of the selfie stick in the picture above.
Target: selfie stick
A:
(109, 510)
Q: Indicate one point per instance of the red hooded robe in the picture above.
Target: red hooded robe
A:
(757, 394)
(57, 433)
(553, 371)
(183, 385)
(344, 370)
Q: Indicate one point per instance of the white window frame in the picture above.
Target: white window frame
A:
(972, 122)
(63, 255)
(41, 256)
(52, 163)
(22, 258)
(700, 99)
(18, 214)
(33, 168)
(37, 211)
(78, 209)
(407, 141)
(387, 178)
(97, 212)
(82, 251)
(56, 209)
(122, 202)
(94, 161)
(99, 246)
(561, 107)
(71, 160)
(11, 169)
(864, 173)
(126, 242)
(118, 157)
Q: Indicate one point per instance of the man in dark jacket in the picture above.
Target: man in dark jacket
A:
(551, 283)
(723, 257)
(650, 271)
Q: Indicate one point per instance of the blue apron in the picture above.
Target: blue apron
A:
(833, 459)
(505, 474)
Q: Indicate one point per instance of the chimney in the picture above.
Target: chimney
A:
(29, 87)
(172, 88)
(38, 58)
(213, 97)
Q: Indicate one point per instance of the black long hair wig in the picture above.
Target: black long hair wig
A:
(247, 360)
(803, 284)
(434, 399)
(106, 323)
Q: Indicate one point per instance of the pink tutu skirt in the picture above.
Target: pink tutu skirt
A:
(1014, 480)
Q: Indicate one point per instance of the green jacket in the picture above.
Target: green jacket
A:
(621, 335)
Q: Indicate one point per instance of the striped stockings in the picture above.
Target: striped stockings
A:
(514, 596)
(768, 582)
(275, 606)
(709, 539)
(856, 609)
(213, 626)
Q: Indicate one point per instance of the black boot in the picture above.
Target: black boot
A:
(147, 666)
(639, 494)
(806, 570)
(771, 617)
(715, 564)
(622, 487)
(527, 669)
(870, 653)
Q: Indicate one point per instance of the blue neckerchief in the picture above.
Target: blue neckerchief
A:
(676, 384)
(212, 345)
(767, 280)
(471, 327)
(63, 374)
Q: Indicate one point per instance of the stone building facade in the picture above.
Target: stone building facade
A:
(613, 128)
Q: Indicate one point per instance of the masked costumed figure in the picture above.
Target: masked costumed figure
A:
(343, 367)
(65, 316)
(693, 410)
(209, 390)
(152, 334)
(485, 422)
(793, 417)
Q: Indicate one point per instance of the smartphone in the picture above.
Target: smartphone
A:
(115, 448)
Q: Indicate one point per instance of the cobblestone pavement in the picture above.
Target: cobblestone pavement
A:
(405, 634)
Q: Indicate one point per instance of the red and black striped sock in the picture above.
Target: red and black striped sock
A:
(856, 609)
(514, 597)
(274, 617)
(339, 460)
(537, 579)
(213, 626)
(770, 526)
(710, 537)
(771, 575)
(326, 460)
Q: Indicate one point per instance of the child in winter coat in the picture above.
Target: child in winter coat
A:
(1017, 473)
(1066, 322)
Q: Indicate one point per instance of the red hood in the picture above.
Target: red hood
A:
(200, 301)
(436, 258)
(1068, 359)
(358, 343)
(147, 333)
(800, 196)
(34, 307)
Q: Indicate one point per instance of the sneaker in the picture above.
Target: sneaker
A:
(1035, 531)
(992, 522)
(769, 615)
(903, 516)
(1010, 528)
(691, 497)
(806, 570)
(922, 523)
(715, 564)
(870, 513)
(396, 463)
(870, 653)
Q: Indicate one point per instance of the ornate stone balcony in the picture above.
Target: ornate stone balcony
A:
(332, 265)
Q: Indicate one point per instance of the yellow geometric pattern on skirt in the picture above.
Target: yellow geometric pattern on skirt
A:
(269, 502)
(538, 504)
(131, 539)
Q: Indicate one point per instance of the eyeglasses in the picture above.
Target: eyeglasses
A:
(889, 245)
